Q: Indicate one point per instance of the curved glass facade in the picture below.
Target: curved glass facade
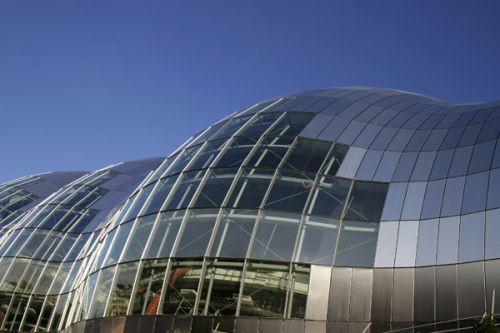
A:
(350, 209)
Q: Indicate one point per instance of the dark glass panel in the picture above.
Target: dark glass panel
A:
(185, 190)
(207, 155)
(138, 239)
(334, 159)
(471, 241)
(270, 152)
(149, 285)
(442, 164)
(250, 188)
(492, 234)
(394, 202)
(215, 189)
(366, 201)
(163, 237)
(265, 289)
(118, 244)
(494, 189)
(196, 234)
(236, 153)
(413, 201)
(481, 157)
(307, 155)
(290, 191)
(329, 197)
(357, 244)
(182, 160)
(427, 242)
(101, 293)
(122, 289)
(220, 288)
(433, 198)
(452, 200)
(460, 162)
(405, 167)
(233, 234)
(182, 287)
(160, 193)
(275, 236)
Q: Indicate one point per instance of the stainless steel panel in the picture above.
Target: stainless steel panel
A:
(317, 298)
(340, 289)
(402, 299)
(361, 295)
(471, 298)
(382, 295)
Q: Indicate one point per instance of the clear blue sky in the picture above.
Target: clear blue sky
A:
(84, 84)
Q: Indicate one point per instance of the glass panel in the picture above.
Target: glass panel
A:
(427, 242)
(30, 277)
(250, 188)
(184, 158)
(138, 239)
(260, 124)
(122, 289)
(197, 232)
(185, 191)
(452, 200)
(407, 244)
(492, 234)
(394, 203)
(275, 236)
(33, 243)
(103, 251)
(46, 278)
(292, 124)
(220, 290)
(87, 295)
(33, 313)
(140, 199)
(307, 155)
(236, 153)
(357, 244)
(299, 291)
(481, 157)
(448, 240)
(334, 160)
(118, 244)
(413, 201)
(423, 166)
(182, 288)
(366, 201)
(16, 270)
(290, 191)
(405, 167)
(149, 286)
(64, 247)
(369, 165)
(15, 313)
(329, 197)
(101, 293)
(270, 152)
(207, 155)
(157, 198)
(471, 243)
(476, 190)
(215, 188)
(442, 164)
(317, 240)
(233, 234)
(46, 313)
(460, 162)
(264, 291)
(163, 237)
(18, 243)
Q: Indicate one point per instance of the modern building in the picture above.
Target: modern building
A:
(335, 210)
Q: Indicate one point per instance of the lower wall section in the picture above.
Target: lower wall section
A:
(229, 324)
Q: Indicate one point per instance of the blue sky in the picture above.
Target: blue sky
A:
(84, 84)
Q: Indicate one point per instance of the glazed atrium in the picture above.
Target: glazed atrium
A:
(332, 210)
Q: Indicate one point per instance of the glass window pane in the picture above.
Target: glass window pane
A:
(196, 234)
(183, 194)
(452, 200)
(250, 188)
(233, 234)
(163, 237)
(405, 167)
(103, 250)
(299, 291)
(220, 290)
(387, 166)
(214, 190)
(236, 153)
(260, 124)
(476, 190)
(427, 242)
(182, 160)
(207, 155)
(122, 289)
(366, 201)
(413, 201)
(329, 197)
(334, 159)
(292, 124)
(265, 289)
(290, 191)
(182, 287)
(149, 285)
(36, 239)
(317, 240)
(118, 244)
(307, 155)
(160, 193)
(101, 293)
(423, 166)
(460, 162)
(138, 239)
(275, 236)
(448, 240)
(407, 244)
(270, 152)
(351, 162)
(357, 244)
(369, 165)
(481, 157)
(471, 243)
(138, 203)
(492, 234)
